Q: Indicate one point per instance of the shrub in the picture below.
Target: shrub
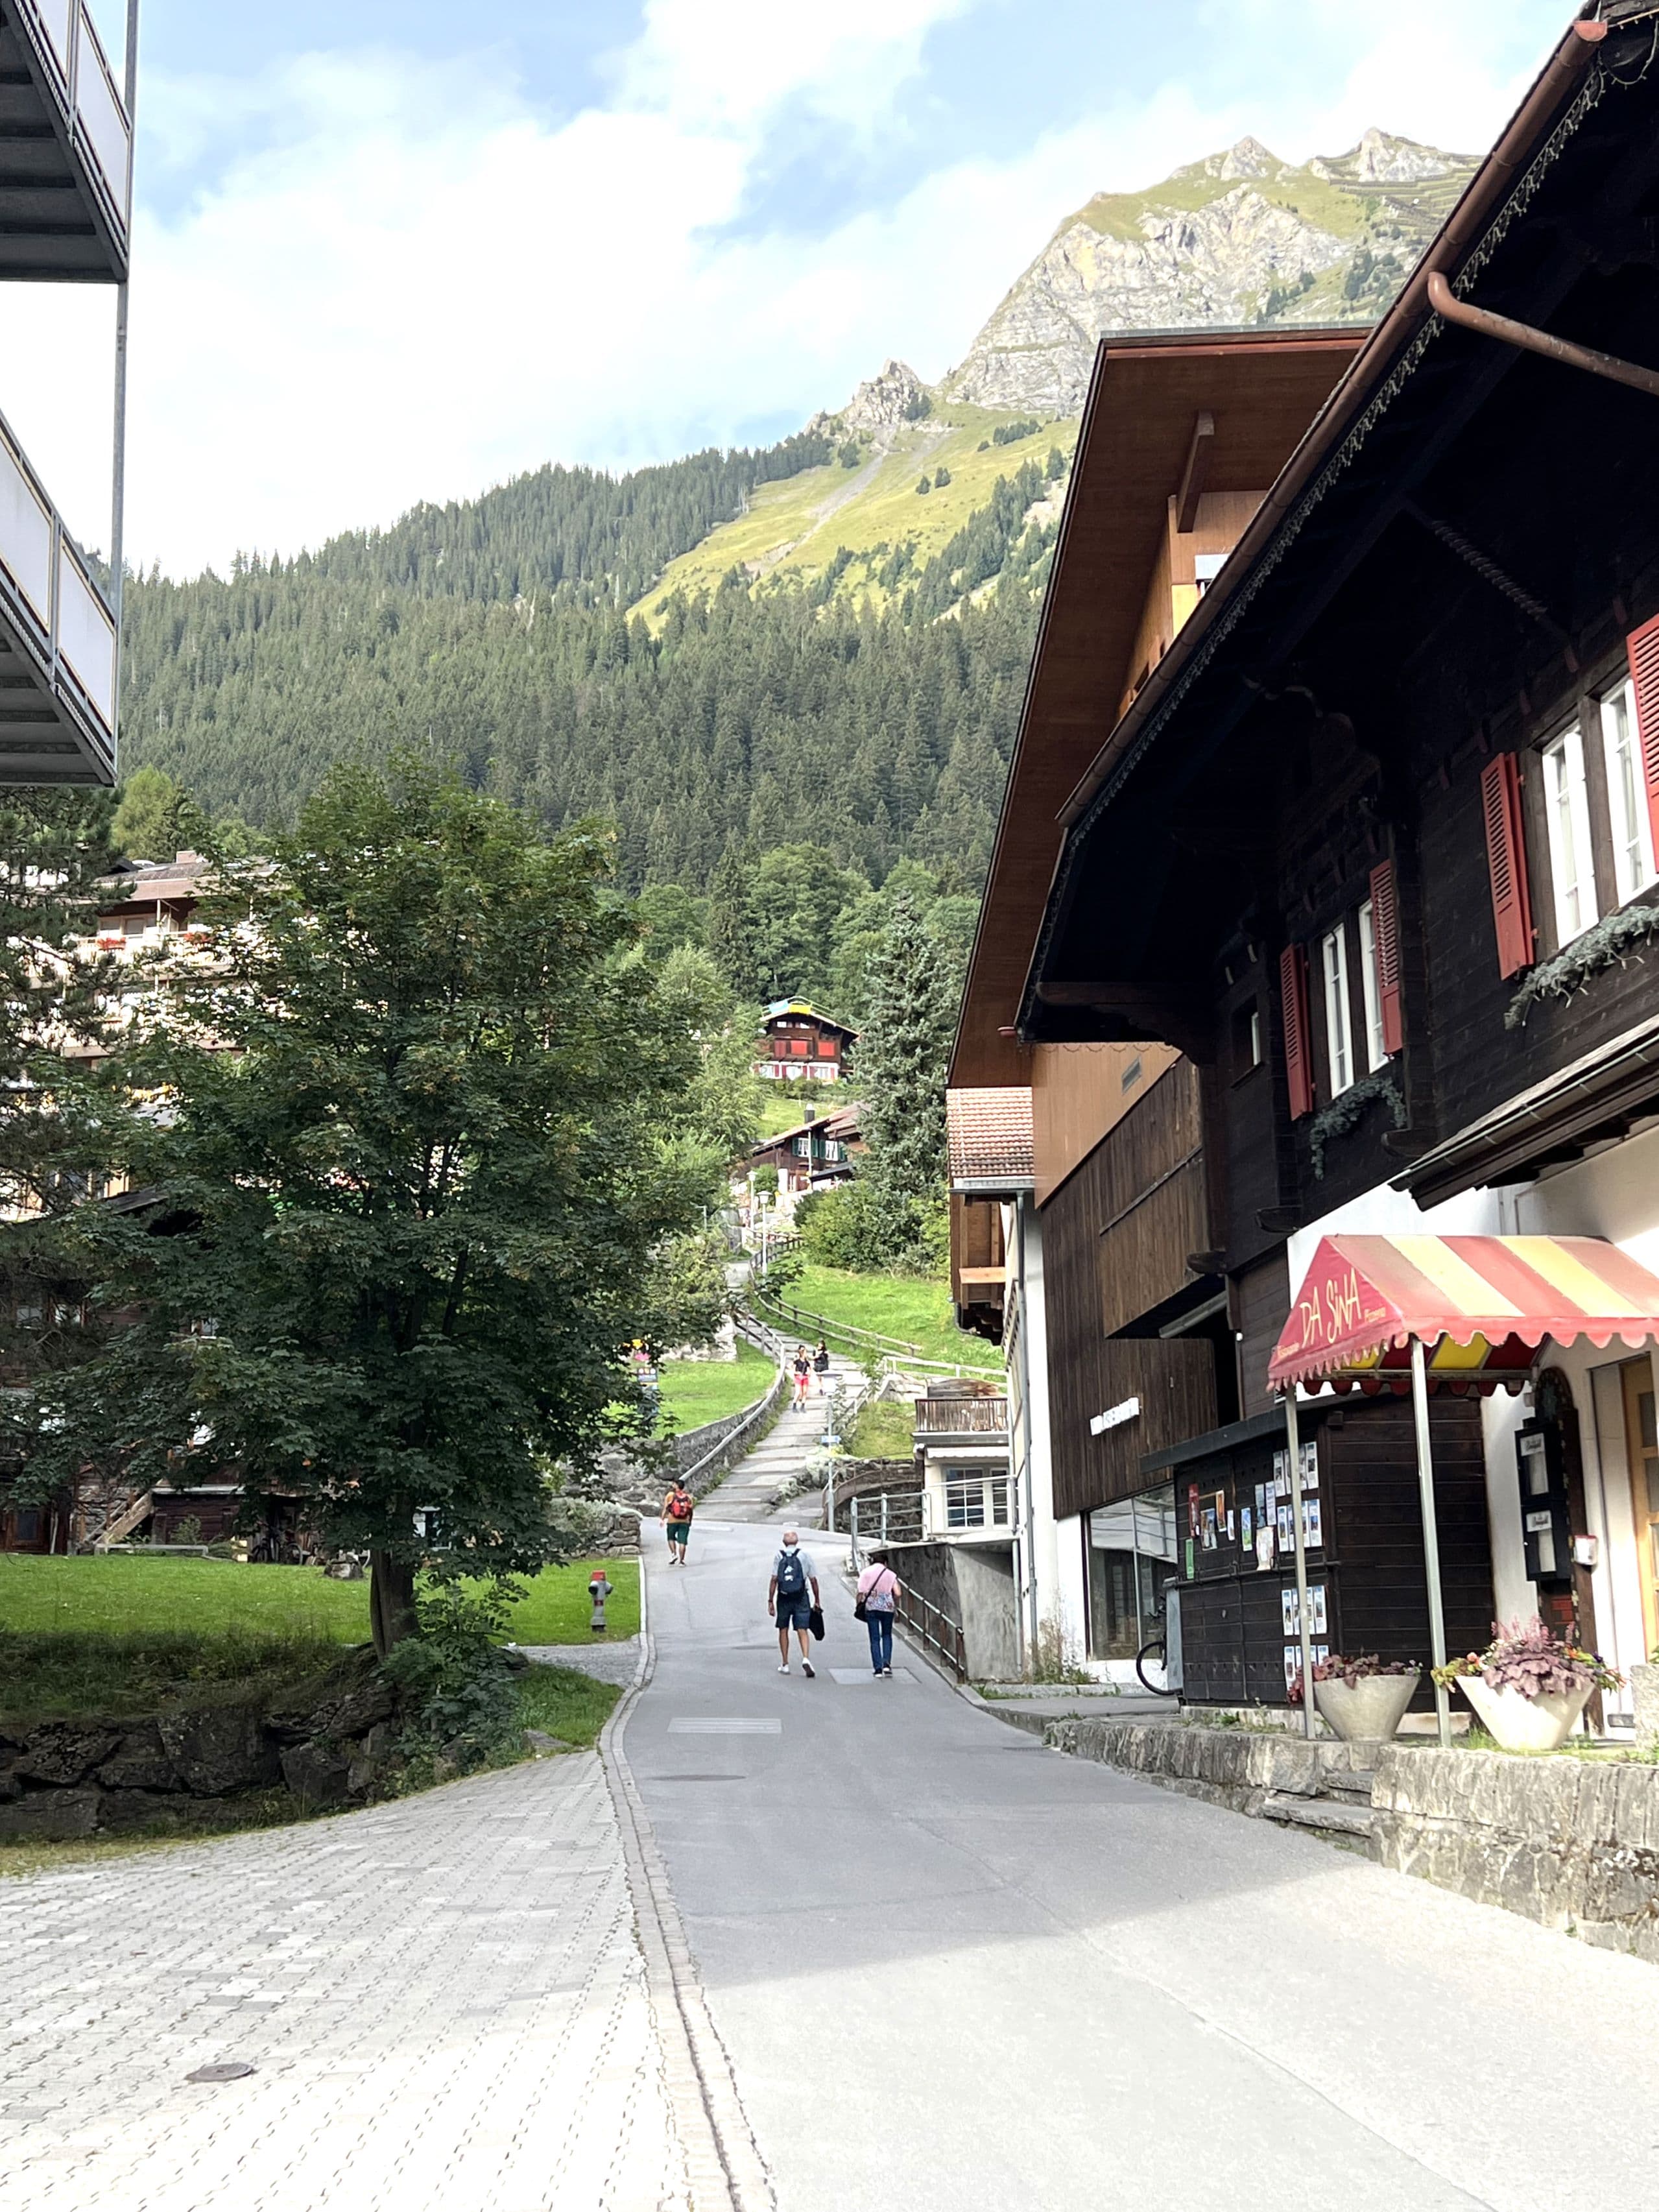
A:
(925, 485)
(1362, 1668)
(456, 1677)
(941, 478)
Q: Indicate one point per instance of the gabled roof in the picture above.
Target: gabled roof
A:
(782, 1009)
(1263, 388)
(989, 1136)
(843, 1123)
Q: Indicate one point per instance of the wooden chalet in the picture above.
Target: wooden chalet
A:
(802, 1045)
(817, 1153)
(1361, 875)
(1181, 439)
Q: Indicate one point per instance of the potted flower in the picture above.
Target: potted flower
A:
(1364, 1699)
(1527, 1687)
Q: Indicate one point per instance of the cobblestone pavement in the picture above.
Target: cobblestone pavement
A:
(444, 1999)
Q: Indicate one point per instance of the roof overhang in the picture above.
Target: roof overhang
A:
(1262, 387)
(1416, 381)
(1480, 1306)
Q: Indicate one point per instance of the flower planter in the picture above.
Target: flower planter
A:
(1518, 1723)
(1371, 1711)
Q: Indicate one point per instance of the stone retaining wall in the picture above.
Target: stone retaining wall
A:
(328, 1740)
(1573, 1843)
(1235, 1767)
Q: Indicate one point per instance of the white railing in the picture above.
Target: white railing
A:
(53, 592)
(69, 41)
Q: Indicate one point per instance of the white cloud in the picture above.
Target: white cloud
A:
(408, 287)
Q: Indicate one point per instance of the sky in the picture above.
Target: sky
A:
(386, 251)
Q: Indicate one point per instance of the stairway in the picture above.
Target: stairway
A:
(1342, 1810)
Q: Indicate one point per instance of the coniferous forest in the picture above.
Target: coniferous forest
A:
(495, 632)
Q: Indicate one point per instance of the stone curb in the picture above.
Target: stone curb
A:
(724, 2168)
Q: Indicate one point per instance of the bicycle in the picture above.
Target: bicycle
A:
(1151, 1663)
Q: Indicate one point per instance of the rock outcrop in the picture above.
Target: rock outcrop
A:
(1238, 239)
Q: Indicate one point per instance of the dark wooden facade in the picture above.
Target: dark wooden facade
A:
(1293, 824)
(1365, 1574)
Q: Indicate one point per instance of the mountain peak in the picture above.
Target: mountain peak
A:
(1239, 239)
(881, 403)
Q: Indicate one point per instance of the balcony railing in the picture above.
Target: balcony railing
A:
(66, 82)
(962, 1417)
(57, 642)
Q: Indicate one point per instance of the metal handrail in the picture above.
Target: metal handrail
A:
(946, 1640)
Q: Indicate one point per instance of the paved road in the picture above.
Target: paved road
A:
(445, 2000)
(952, 1968)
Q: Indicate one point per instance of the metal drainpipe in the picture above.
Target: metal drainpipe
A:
(1445, 302)
(1025, 1424)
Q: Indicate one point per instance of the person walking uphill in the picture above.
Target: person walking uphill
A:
(677, 1510)
(803, 1372)
(878, 1595)
(791, 1597)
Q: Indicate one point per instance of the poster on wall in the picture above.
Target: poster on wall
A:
(1310, 1465)
(1311, 1521)
(1192, 1509)
(1292, 1667)
(1246, 1527)
(1290, 1612)
(1286, 1533)
(1191, 1557)
(1281, 1474)
(1206, 1525)
(1266, 1549)
(1316, 1623)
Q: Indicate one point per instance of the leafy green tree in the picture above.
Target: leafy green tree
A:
(156, 817)
(672, 916)
(848, 453)
(410, 1185)
(796, 895)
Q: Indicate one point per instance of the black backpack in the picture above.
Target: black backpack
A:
(792, 1574)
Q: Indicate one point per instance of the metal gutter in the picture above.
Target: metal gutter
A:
(1531, 340)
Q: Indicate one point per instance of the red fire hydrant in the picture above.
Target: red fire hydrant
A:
(599, 1589)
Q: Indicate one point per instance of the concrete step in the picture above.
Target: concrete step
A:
(1325, 1814)
(1354, 1785)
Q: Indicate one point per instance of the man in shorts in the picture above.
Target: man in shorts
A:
(790, 1598)
(677, 1510)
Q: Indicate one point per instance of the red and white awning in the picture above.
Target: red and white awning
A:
(1481, 1306)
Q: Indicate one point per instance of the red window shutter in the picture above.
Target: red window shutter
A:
(1643, 647)
(1385, 940)
(1506, 862)
(1293, 1015)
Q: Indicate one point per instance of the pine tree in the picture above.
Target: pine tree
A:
(731, 925)
(902, 1053)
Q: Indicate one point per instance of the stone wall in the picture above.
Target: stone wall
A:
(973, 1587)
(1239, 1768)
(329, 1741)
(1573, 1843)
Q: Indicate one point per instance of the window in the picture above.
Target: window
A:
(1627, 797)
(1246, 1039)
(1338, 1031)
(964, 1502)
(1130, 1076)
(1377, 1050)
(1567, 821)
(1207, 567)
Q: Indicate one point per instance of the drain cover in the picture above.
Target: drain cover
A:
(233, 2069)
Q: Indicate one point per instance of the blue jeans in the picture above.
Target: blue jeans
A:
(880, 1626)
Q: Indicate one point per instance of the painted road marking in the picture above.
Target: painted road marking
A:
(724, 1728)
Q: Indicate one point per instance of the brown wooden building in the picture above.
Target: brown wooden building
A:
(1372, 847)
(802, 1045)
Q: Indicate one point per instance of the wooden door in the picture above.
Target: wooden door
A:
(1641, 1449)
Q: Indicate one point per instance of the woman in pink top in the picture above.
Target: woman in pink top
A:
(879, 1589)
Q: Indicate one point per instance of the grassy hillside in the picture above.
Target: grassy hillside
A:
(794, 531)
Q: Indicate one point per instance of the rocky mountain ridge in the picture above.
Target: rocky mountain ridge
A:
(1238, 239)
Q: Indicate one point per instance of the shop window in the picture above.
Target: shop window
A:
(1567, 830)
(1339, 1028)
(1131, 1551)
(1627, 797)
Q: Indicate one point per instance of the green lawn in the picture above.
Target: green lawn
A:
(197, 1599)
(883, 1430)
(904, 1306)
(698, 1390)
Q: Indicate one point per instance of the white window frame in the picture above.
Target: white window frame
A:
(1339, 1024)
(1567, 828)
(1376, 1052)
(1633, 869)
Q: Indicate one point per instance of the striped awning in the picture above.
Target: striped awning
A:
(1481, 1306)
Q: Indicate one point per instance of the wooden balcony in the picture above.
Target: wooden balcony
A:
(57, 642)
(65, 149)
(939, 1417)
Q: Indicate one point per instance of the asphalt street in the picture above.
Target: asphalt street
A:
(953, 1968)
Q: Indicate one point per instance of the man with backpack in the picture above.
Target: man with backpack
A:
(791, 1598)
(677, 1510)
